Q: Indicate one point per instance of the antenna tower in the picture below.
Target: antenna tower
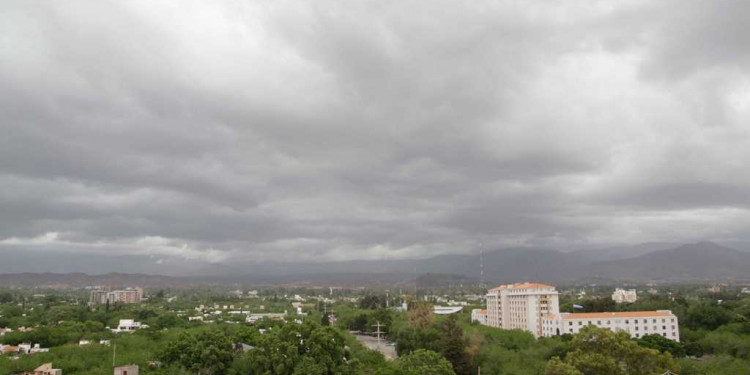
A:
(482, 284)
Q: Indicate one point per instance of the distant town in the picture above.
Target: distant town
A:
(130, 330)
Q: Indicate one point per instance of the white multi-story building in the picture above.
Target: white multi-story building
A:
(479, 316)
(636, 323)
(521, 306)
(624, 296)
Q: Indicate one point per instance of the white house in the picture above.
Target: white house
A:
(128, 325)
(126, 370)
(46, 369)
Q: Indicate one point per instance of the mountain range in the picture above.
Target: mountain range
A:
(703, 261)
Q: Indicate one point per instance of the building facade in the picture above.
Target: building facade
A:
(479, 316)
(624, 296)
(130, 295)
(521, 306)
(45, 369)
(126, 370)
(128, 325)
(635, 323)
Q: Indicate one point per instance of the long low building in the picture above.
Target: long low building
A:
(636, 323)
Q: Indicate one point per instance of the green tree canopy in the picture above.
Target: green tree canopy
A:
(423, 362)
(599, 351)
(208, 352)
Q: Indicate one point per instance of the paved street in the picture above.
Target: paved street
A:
(372, 342)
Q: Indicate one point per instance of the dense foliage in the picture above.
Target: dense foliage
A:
(715, 338)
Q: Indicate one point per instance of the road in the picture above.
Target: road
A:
(372, 342)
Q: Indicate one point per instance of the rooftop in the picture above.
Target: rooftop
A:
(524, 286)
(625, 314)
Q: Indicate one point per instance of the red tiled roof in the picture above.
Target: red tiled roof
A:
(624, 314)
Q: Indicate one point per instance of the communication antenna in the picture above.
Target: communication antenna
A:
(482, 284)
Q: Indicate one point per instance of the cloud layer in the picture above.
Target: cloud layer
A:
(277, 130)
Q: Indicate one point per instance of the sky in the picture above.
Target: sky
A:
(233, 131)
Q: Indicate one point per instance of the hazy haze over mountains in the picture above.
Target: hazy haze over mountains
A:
(691, 262)
(195, 138)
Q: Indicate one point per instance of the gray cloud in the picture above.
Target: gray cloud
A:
(275, 131)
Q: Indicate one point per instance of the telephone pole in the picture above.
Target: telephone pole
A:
(378, 331)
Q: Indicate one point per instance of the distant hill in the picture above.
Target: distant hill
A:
(624, 252)
(693, 262)
(80, 280)
(699, 261)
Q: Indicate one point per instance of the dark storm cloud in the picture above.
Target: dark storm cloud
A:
(271, 130)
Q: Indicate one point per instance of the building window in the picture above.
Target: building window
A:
(627, 322)
(599, 322)
(664, 327)
(580, 323)
(570, 323)
(636, 321)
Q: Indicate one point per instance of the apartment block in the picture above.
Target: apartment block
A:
(624, 296)
(521, 306)
(129, 295)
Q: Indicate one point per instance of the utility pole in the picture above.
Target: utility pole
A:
(114, 353)
(378, 331)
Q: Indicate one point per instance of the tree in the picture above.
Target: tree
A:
(208, 352)
(6, 297)
(423, 362)
(599, 351)
(359, 323)
(557, 367)
(599, 305)
(662, 344)
(706, 315)
(421, 314)
(372, 302)
(453, 345)
(324, 320)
